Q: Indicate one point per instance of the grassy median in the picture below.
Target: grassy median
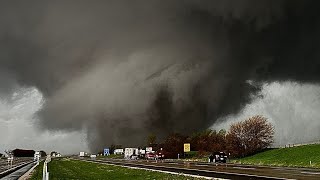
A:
(37, 172)
(291, 157)
(75, 169)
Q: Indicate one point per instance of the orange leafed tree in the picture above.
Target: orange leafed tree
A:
(250, 136)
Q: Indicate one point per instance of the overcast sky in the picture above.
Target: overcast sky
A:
(18, 126)
(79, 72)
(293, 108)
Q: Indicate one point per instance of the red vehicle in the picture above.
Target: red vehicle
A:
(160, 154)
(150, 155)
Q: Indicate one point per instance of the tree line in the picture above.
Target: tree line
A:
(243, 138)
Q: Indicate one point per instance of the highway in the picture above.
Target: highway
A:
(225, 171)
(18, 168)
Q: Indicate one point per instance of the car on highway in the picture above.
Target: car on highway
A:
(160, 154)
(134, 157)
(150, 155)
(218, 157)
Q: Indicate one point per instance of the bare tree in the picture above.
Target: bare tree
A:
(250, 136)
(235, 140)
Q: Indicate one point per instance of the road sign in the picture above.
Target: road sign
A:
(186, 147)
(106, 152)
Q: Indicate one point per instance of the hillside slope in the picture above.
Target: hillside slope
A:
(292, 157)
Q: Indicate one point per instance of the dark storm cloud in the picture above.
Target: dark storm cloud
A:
(124, 69)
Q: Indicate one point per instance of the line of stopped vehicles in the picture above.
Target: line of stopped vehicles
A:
(150, 154)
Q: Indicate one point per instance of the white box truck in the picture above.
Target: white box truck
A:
(118, 151)
(131, 153)
(81, 154)
(37, 156)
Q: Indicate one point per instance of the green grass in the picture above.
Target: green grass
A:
(76, 169)
(291, 157)
(37, 173)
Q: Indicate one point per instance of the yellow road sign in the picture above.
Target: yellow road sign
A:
(186, 147)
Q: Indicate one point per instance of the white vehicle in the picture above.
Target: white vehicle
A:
(81, 154)
(37, 156)
(131, 153)
(118, 151)
(93, 156)
(142, 152)
(148, 149)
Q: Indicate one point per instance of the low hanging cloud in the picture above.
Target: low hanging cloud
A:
(18, 129)
(123, 69)
(292, 108)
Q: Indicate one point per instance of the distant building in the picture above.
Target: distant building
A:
(23, 153)
(53, 154)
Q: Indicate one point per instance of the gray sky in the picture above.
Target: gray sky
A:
(291, 107)
(18, 126)
(116, 69)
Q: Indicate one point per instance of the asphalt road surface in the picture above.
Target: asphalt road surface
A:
(226, 171)
(18, 173)
(17, 164)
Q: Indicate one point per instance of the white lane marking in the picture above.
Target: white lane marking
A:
(243, 168)
(172, 163)
(201, 164)
(306, 172)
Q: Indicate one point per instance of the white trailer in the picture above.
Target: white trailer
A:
(37, 156)
(118, 151)
(81, 154)
(129, 152)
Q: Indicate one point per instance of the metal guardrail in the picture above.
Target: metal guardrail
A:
(45, 173)
(9, 171)
(296, 144)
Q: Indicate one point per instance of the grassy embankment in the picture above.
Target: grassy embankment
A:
(37, 173)
(291, 157)
(75, 169)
